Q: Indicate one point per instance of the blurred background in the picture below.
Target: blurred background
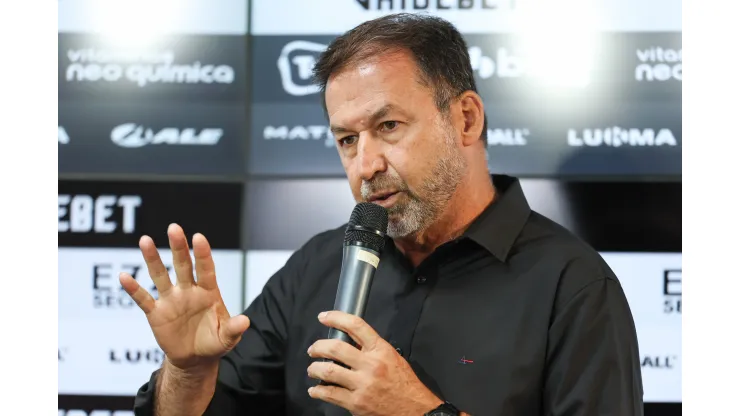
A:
(202, 113)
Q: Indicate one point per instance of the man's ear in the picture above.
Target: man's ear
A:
(471, 106)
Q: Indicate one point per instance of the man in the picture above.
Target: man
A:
(479, 306)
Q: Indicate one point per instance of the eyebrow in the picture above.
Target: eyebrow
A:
(374, 117)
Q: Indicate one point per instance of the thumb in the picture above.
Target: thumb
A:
(234, 328)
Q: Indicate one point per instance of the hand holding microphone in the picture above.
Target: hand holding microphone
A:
(359, 370)
(363, 242)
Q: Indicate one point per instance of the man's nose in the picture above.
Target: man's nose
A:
(370, 157)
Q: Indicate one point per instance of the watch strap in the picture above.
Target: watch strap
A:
(444, 409)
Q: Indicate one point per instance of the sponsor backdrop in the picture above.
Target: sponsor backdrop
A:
(152, 121)
(168, 98)
(204, 115)
(597, 92)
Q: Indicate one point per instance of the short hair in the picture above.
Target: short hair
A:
(438, 49)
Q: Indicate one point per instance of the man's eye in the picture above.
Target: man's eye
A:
(348, 141)
(389, 125)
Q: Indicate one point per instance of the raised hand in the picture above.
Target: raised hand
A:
(189, 320)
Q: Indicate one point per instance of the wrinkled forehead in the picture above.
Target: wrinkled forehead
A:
(362, 89)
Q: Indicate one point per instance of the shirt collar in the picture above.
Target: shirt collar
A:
(498, 226)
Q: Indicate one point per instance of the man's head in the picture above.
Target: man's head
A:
(402, 103)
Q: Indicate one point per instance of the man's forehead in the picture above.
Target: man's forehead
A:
(348, 117)
(371, 74)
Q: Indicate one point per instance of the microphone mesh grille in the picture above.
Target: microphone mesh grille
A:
(369, 216)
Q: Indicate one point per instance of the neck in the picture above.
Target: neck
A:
(469, 200)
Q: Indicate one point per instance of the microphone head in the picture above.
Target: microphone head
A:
(367, 225)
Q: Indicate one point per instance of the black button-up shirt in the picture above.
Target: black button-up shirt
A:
(515, 317)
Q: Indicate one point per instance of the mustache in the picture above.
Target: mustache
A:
(382, 183)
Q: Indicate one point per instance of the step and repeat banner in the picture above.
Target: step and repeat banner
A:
(164, 99)
(106, 347)
(594, 89)
(168, 98)
(203, 114)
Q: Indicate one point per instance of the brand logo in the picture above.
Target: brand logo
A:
(390, 5)
(660, 362)
(507, 137)
(303, 133)
(618, 136)
(78, 412)
(132, 135)
(659, 64)
(298, 58)
(464, 361)
(136, 356)
(108, 292)
(672, 291)
(84, 214)
(141, 68)
(63, 136)
(295, 63)
(505, 65)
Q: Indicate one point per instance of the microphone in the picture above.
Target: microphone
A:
(364, 239)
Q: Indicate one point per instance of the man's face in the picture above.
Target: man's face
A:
(397, 148)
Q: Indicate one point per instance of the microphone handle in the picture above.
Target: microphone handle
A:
(355, 280)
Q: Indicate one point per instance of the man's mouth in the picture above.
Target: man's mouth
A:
(384, 199)
(381, 196)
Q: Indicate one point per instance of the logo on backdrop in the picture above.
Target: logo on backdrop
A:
(297, 59)
(659, 362)
(441, 5)
(152, 356)
(505, 64)
(79, 412)
(295, 63)
(132, 135)
(141, 68)
(672, 291)
(302, 133)
(659, 64)
(107, 290)
(508, 137)
(102, 215)
(620, 136)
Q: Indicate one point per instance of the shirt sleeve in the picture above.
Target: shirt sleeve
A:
(251, 377)
(593, 365)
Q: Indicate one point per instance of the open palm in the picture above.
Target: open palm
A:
(189, 320)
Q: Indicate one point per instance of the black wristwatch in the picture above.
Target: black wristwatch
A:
(444, 409)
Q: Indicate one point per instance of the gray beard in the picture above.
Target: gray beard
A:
(421, 211)
(423, 207)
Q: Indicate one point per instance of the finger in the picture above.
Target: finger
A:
(364, 335)
(234, 328)
(154, 265)
(181, 255)
(332, 394)
(137, 293)
(336, 350)
(333, 373)
(205, 269)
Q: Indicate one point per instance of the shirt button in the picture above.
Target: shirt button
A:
(421, 279)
